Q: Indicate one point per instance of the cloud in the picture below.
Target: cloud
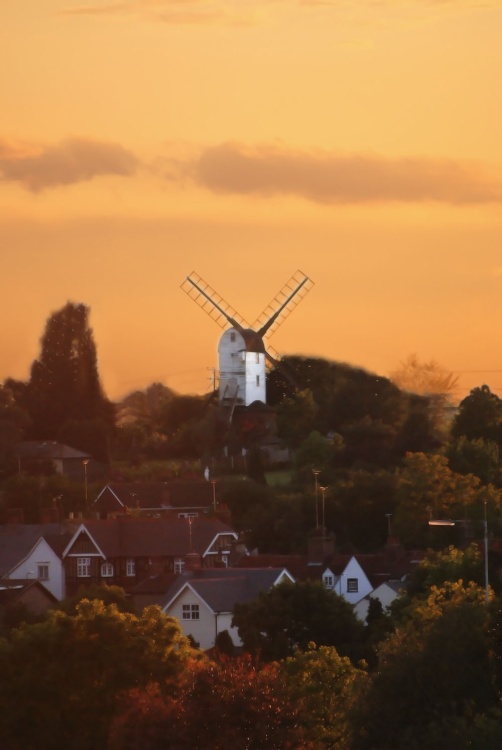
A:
(71, 161)
(333, 178)
(175, 12)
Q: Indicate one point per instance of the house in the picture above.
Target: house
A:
(28, 594)
(203, 600)
(126, 550)
(181, 498)
(352, 582)
(43, 456)
(385, 593)
(43, 562)
(17, 540)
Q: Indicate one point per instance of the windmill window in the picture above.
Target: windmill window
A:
(232, 336)
(257, 358)
(258, 380)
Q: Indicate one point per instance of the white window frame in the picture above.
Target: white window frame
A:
(179, 565)
(83, 567)
(107, 570)
(43, 571)
(190, 612)
(328, 581)
(352, 585)
(130, 567)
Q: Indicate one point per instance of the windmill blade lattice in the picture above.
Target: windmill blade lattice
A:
(283, 304)
(211, 302)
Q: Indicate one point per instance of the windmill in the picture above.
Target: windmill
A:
(243, 350)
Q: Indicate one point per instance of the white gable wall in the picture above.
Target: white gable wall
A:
(353, 584)
(206, 628)
(42, 555)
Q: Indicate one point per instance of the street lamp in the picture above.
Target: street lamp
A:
(323, 493)
(213, 482)
(85, 462)
(453, 522)
(316, 473)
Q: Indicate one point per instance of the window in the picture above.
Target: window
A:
(179, 565)
(257, 380)
(232, 336)
(130, 567)
(83, 567)
(106, 570)
(43, 571)
(352, 585)
(328, 581)
(190, 612)
(257, 358)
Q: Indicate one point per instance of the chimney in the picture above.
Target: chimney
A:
(49, 515)
(193, 561)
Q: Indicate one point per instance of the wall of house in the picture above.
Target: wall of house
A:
(203, 630)
(42, 554)
(352, 572)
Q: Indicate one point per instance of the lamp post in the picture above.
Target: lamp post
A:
(316, 473)
(323, 493)
(85, 462)
(451, 522)
(213, 482)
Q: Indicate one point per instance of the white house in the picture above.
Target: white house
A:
(353, 583)
(43, 563)
(203, 600)
(385, 593)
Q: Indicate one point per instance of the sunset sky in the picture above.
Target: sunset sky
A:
(356, 140)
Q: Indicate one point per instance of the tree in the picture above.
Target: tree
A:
(292, 615)
(318, 451)
(62, 678)
(435, 669)
(479, 416)
(325, 687)
(64, 383)
(427, 488)
(424, 378)
(477, 456)
(14, 422)
(214, 704)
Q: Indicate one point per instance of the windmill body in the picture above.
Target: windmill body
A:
(243, 352)
(242, 366)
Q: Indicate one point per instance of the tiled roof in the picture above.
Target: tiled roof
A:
(41, 450)
(222, 588)
(16, 541)
(153, 537)
(174, 493)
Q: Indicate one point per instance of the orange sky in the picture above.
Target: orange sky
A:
(358, 141)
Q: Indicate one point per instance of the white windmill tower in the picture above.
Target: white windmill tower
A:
(243, 351)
